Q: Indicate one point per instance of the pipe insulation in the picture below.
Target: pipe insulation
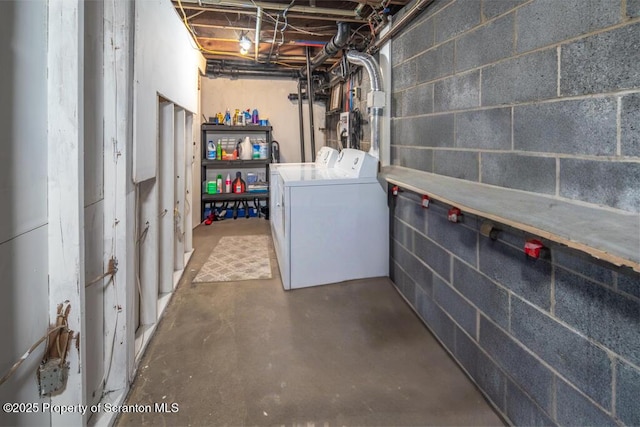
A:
(375, 98)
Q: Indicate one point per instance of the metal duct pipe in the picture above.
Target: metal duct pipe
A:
(334, 45)
(375, 99)
(258, 25)
(310, 100)
(301, 120)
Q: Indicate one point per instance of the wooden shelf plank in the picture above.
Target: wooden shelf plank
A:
(607, 234)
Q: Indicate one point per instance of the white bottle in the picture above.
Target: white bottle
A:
(227, 184)
(211, 151)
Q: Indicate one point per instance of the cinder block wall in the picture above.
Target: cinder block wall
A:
(541, 96)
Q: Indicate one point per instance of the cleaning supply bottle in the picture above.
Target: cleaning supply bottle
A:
(211, 187)
(227, 118)
(239, 186)
(254, 116)
(246, 149)
(227, 184)
(219, 150)
(211, 151)
(264, 150)
(219, 183)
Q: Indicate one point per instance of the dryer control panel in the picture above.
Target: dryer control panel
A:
(326, 157)
(357, 163)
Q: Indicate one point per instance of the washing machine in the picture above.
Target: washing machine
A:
(330, 224)
(325, 158)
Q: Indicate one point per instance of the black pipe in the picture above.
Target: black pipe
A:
(235, 69)
(285, 74)
(310, 99)
(334, 46)
(301, 120)
(293, 97)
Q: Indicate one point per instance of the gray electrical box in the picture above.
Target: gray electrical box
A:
(52, 376)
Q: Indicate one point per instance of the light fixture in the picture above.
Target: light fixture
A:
(245, 44)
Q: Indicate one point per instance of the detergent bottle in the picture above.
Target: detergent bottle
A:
(239, 186)
(211, 151)
(246, 149)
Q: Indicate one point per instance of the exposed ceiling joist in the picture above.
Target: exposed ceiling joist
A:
(253, 5)
(281, 31)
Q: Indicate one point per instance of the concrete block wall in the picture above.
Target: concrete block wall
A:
(536, 95)
(550, 342)
(540, 96)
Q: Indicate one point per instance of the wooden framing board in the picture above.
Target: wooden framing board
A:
(604, 233)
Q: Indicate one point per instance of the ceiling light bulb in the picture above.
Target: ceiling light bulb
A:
(245, 43)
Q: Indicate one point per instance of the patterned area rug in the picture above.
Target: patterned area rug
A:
(237, 258)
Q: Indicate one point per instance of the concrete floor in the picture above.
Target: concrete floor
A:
(249, 353)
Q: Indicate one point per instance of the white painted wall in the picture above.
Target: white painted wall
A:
(270, 97)
(66, 179)
(166, 172)
(65, 191)
(119, 199)
(24, 302)
(167, 63)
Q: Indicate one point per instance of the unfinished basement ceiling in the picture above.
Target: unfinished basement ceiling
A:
(285, 29)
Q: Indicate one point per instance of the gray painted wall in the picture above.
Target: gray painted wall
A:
(94, 149)
(540, 96)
